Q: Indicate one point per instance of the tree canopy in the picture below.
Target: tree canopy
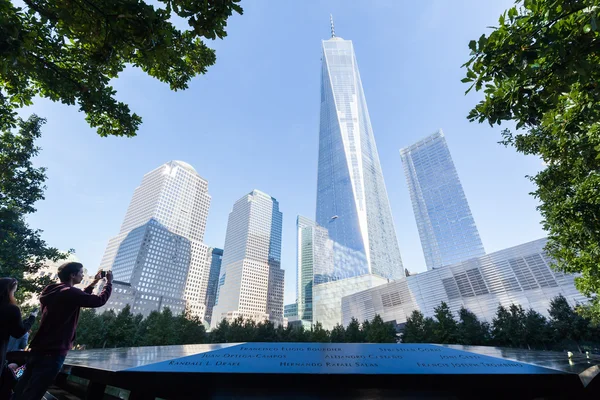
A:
(22, 250)
(512, 326)
(69, 51)
(539, 69)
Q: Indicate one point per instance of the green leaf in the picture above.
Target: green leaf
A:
(587, 28)
(473, 45)
(481, 42)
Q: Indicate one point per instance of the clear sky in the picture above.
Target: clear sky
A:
(252, 122)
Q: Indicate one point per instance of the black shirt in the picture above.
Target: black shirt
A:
(11, 324)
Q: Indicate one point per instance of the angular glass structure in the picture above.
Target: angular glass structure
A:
(446, 227)
(352, 201)
(314, 264)
(216, 256)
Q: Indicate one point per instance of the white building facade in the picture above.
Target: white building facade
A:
(251, 279)
(517, 275)
(159, 251)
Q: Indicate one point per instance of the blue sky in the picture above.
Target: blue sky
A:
(252, 122)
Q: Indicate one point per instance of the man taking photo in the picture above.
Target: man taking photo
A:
(60, 312)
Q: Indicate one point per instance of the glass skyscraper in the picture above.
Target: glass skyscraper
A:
(216, 257)
(446, 227)
(314, 263)
(352, 201)
(159, 252)
(251, 278)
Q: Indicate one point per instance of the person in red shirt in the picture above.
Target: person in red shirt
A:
(60, 312)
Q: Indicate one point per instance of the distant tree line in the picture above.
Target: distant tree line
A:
(108, 330)
(512, 326)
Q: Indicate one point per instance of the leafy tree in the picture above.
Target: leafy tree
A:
(189, 329)
(220, 333)
(22, 250)
(539, 69)
(283, 334)
(381, 332)
(338, 334)
(365, 328)
(139, 332)
(239, 331)
(297, 334)
(565, 323)
(591, 311)
(107, 320)
(68, 51)
(319, 334)
(471, 331)
(446, 328)
(157, 329)
(537, 332)
(418, 329)
(90, 332)
(121, 332)
(517, 325)
(353, 332)
(266, 332)
(508, 326)
(501, 327)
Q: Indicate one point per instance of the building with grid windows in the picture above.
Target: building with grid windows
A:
(446, 227)
(159, 251)
(251, 278)
(313, 250)
(517, 275)
(352, 201)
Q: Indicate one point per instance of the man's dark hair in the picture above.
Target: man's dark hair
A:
(67, 269)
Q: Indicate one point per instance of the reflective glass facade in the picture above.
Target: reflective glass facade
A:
(446, 227)
(216, 257)
(251, 279)
(517, 275)
(352, 201)
(159, 250)
(314, 263)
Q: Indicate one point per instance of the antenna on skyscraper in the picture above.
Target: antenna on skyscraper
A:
(332, 27)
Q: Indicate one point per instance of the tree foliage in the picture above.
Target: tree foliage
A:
(418, 329)
(125, 329)
(512, 326)
(470, 330)
(539, 69)
(445, 329)
(69, 51)
(22, 250)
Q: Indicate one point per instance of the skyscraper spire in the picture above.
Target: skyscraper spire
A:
(332, 27)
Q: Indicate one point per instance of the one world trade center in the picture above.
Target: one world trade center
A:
(352, 201)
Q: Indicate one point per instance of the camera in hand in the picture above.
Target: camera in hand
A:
(102, 274)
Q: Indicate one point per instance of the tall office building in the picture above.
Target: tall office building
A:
(158, 254)
(352, 201)
(251, 278)
(314, 263)
(446, 227)
(216, 257)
